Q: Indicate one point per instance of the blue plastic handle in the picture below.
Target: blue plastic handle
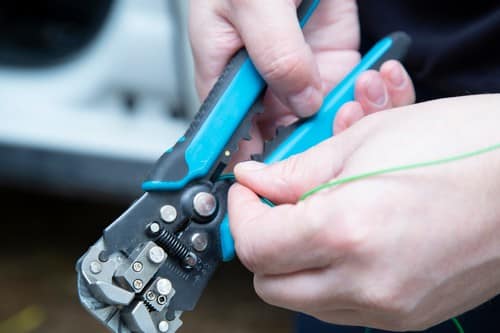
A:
(202, 150)
(319, 127)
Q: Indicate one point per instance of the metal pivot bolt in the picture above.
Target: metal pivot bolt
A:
(168, 213)
(199, 241)
(156, 255)
(163, 326)
(204, 204)
(164, 286)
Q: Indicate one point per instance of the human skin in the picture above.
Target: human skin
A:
(290, 61)
(396, 252)
(400, 251)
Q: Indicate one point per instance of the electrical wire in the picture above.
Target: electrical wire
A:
(457, 324)
(353, 178)
(226, 176)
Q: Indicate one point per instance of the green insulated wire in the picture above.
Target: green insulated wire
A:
(230, 176)
(459, 327)
(399, 168)
(226, 176)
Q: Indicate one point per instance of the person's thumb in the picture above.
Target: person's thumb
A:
(286, 181)
(271, 33)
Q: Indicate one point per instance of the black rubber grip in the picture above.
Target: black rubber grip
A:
(401, 42)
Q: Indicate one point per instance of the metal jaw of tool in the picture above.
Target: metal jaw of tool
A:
(154, 261)
(115, 302)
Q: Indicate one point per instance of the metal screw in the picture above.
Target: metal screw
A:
(137, 266)
(163, 326)
(150, 296)
(190, 260)
(168, 213)
(156, 255)
(138, 284)
(95, 267)
(204, 204)
(164, 286)
(199, 241)
(154, 228)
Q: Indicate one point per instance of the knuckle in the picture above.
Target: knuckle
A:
(295, 167)
(350, 240)
(284, 64)
(313, 230)
(290, 167)
(316, 233)
(348, 235)
(396, 307)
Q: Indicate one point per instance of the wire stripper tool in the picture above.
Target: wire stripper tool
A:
(154, 261)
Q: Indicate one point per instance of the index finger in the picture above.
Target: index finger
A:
(275, 240)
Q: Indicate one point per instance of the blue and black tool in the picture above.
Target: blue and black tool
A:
(155, 260)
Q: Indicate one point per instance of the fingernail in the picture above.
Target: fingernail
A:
(397, 77)
(375, 91)
(306, 102)
(249, 166)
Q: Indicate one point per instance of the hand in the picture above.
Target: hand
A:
(401, 251)
(300, 67)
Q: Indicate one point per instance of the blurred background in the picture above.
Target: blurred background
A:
(91, 93)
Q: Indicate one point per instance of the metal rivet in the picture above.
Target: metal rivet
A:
(138, 284)
(227, 153)
(162, 299)
(163, 326)
(95, 267)
(164, 286)
(204, 204)
(168, 213)
(156, 255)
(137, 266)
(199, 241)
(154, 228)
(150, 296)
